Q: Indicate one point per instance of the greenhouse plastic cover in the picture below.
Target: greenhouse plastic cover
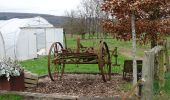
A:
(10, 30)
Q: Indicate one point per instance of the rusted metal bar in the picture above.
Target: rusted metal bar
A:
(80, 62)
(77, 57)
(83, 53)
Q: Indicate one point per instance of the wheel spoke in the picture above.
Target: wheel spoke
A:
(104, 63)
(54, 63)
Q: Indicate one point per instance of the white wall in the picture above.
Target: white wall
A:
(53, 35)
(40, 39)
(2, 47)
(10, 43)
(59, 36)
(26, 44)
(26, 47)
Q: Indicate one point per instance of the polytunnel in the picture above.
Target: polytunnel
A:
(2, 47)
(23, 38)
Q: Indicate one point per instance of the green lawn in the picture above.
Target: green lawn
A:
(165, 92)
(71, 43)
(10, 97)
(167, 84)
(39, 66)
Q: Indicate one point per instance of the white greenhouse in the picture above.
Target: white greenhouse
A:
(22, 39)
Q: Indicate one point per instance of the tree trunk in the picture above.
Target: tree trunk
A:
(71, 35)
(83, 36)
(166, 56)
(153, 43)
(134, 48)
(65, 39)
(97, 35)
(161, 73)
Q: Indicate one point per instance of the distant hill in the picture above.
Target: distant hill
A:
(57, 21)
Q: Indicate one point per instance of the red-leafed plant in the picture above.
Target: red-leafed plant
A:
(152, 19)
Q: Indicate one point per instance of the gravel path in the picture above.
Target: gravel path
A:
(82, 85)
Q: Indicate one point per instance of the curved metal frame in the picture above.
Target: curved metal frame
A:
(104, 61)
(59, 67)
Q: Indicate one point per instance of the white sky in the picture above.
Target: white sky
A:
(54, 7)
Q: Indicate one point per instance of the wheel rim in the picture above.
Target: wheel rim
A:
(104, 62)
(55, 64)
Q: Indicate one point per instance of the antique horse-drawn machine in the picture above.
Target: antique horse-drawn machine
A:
(59, 56)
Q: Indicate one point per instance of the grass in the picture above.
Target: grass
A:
(167, 84)
(39, 66)
(165, 91)
(110, 41)
(163, 95)
(10, 97)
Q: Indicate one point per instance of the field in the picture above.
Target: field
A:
(10, 97)
(39, 65)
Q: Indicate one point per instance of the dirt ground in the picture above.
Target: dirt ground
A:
(82, 85)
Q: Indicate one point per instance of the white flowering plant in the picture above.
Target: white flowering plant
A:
(10, 67)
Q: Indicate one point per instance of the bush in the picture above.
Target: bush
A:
(9, 67)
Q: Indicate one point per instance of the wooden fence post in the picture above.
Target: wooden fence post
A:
(148, 75)
(167, 57)
(161, 74)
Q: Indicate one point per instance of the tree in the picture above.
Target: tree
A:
(151, 20)
(88, 8)
(75, 23)
(134, 47)
(91, 9)
(81, 24)
(86, 19)
(70, 23)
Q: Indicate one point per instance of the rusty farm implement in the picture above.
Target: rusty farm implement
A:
(59, 56)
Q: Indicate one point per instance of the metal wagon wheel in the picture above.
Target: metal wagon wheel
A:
(55, 63)
(104, 61)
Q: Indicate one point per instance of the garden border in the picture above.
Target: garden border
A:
(92, 73)
(42, 96)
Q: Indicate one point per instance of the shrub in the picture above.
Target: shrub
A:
(9, 67)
